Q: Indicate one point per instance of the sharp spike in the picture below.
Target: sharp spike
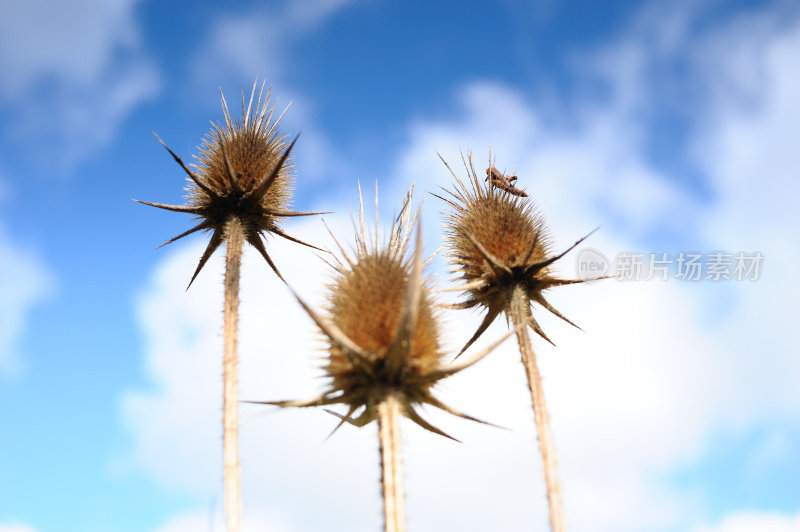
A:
(450, 410)
(400, 349)
(288, 214)
(257, 243)
(459, 306)
(353, 352)
(226, 112)
(213, 244)
(341, 249)
(551, 282)
(202, 225)
(280, 233)
(551, 260)
(432, 255)
(411, 414)
(447, 165)
(344, 419)
(538, 330)
(531, 248)
(265, 183)
(176, 208)
(275, 124)
(406, 234)
(191, 175)
(249, 105)
(449, 202)
(455, 368)
(320, 400)
(260, 109)
(493, 261)
(539, 298)
(491, 315)
(377, 218)
(233, 179)
(362, 238)
(477, 284)
(268, 117)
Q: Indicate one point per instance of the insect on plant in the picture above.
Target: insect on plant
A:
(504, 182)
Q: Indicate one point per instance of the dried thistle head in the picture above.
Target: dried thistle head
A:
(381, 329)
(244, 174)
(498, 243)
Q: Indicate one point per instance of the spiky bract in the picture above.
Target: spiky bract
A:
(498, 242)
(382, 331)
(243, 172)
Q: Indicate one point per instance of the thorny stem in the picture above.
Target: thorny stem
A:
(230, 398)
(520, 311)
(391, 466)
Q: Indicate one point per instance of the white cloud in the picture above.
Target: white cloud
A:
(258, 41)
(750, 522)
(24, 282)
(615, 385)
(177, 427)
(755, 168)
(72, 73)
(192, 522)
(257, 44)
(661, 367)
(16, 527)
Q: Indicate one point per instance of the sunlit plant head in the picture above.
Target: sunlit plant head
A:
(497, 242)
(381, 329)
(243, 173)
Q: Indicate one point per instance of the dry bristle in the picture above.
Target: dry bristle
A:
(381, 329)
(498, 243)
(508, 229)
(235, 160)
(497, 240)
(253, 152)
(244, 173)
(367, 304)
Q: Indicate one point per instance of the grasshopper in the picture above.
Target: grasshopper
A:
(504, 182)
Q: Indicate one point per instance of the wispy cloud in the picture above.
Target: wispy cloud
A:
(247, 44)
(24, 282)
(71, 74)
(762, 522)
(15, 528)
(259, 43)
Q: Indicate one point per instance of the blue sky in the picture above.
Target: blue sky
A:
(672, 126)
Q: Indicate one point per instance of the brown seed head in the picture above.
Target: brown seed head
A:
(243, 173)
(367, 303)
(381, 330)
(497, 242)
(507, 227)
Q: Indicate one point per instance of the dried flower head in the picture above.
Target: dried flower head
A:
(382, 330)
(498, 243)
(243, 173)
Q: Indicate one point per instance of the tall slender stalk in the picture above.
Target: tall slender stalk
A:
(230, 398)
(384, 354)
(520, 311)
(239, 190)
(391, 465)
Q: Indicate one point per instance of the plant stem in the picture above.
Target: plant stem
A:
(520, 311)
(230, 394)
(391, 466)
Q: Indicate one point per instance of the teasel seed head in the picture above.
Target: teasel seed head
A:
(243, 172)
(381, 329)
(497, 242)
